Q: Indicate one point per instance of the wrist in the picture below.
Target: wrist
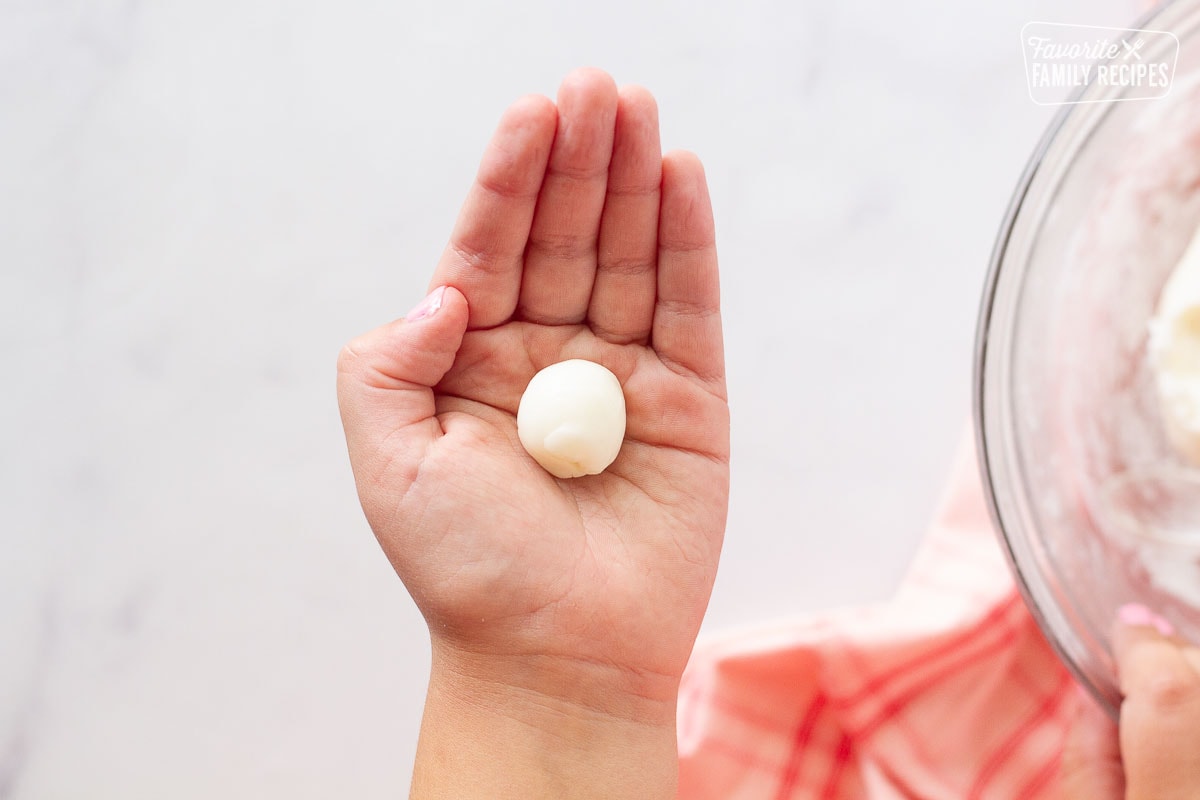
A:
(538, 727)
(586, 687)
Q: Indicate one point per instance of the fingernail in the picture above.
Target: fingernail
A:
(427, 307)
(1138, 614)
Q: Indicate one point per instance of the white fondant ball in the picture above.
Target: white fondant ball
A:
(572, 418)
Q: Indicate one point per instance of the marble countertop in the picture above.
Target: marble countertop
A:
(200, 202)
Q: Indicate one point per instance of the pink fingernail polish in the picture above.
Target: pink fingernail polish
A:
(427, 307)
(1138, 614)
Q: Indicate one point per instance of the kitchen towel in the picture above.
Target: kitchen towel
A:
(946, 692)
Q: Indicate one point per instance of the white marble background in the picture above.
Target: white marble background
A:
(200, 201)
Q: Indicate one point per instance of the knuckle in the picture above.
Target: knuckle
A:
(1172, 693)
(505, 188)
(563, 247)
(469, 254)
(626, 265)
(346, 358)
(351, 358)
(691, 309)
(579, 167)
(684, 246)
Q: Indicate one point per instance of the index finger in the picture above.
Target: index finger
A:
(485, 256)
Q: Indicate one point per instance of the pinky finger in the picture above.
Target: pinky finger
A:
(687, 316)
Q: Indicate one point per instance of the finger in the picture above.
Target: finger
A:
(486, 250)
(560, 260)
(1160, 715)
(622, 303)
(686, 332)
(383, 386)
(1147, 653)
(1091, 762)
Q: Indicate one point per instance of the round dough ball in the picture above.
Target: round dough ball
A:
(572, 418)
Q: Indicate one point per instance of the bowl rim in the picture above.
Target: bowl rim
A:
(979, 367)
(983, 457)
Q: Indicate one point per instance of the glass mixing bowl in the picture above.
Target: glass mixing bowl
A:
(1095, 508)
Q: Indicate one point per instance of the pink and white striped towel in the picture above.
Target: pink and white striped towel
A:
(947, 692)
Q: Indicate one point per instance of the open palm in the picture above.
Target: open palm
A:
(578, 240)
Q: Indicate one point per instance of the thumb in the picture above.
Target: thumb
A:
(1091, 761)
(1160, 715)
(385, 380)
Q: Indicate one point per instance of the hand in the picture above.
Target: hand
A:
(1154, 754)
(578, 240)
